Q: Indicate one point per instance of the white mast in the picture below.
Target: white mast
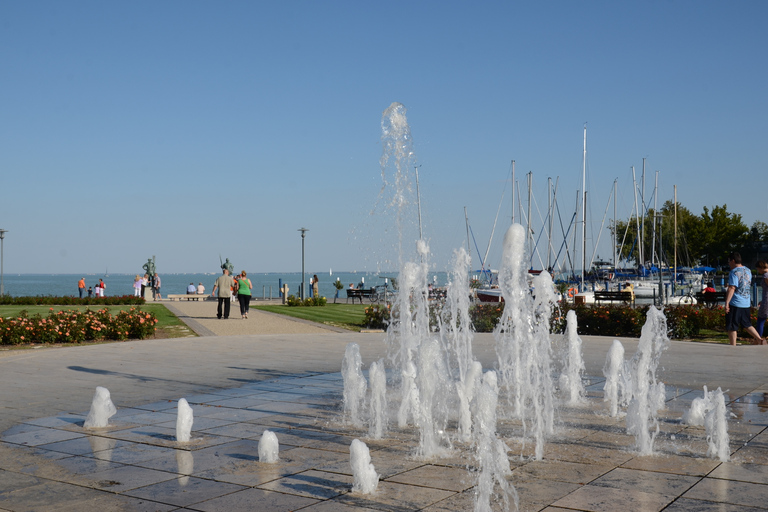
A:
(584, 208)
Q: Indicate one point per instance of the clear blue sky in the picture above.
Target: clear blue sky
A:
(263, 117)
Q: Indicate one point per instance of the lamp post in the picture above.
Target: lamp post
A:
(2, 274)
(303, 234)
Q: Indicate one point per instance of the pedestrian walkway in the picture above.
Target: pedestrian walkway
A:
(240, 385)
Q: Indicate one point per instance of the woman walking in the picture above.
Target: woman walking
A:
(244, 293)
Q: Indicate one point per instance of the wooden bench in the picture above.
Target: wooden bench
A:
(614, 296)
(359, 293)
(188, 296)
(710, 299)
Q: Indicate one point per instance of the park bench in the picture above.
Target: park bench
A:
(613, 296)
(710, 299)
(359, 293)
(188, 296)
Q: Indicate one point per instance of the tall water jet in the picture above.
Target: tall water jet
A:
(269, 448)
(456, 332)
(102, 409)
(364, 476)
(432, 412)
(355, 385)
(466, 391)
(647, 394)
(491, 452)
(184, 420)
(613, 372)
(573, 363)
(377, 409)
(716, 425)
(523, 345)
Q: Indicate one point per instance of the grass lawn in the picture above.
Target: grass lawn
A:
(346, 316)
(168, 326)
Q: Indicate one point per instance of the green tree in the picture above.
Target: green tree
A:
(716, 235)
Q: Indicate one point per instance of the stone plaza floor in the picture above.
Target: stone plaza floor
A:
(53, 463)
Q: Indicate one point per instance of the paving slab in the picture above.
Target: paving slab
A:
(289, 382)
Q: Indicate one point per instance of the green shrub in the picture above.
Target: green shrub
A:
(377, 317)
(49, 300)
(294, 301)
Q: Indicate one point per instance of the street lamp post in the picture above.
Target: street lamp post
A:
(2, 274)
(303, 234)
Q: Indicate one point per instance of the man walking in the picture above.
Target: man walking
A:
(224, 286)
(156, 287)
(737, 301)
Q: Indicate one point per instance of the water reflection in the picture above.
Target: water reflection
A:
(186, 463)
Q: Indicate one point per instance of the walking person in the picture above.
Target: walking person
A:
(762, 311)
(224, 286)
(737, 301)
(156, 287)
(244, 294)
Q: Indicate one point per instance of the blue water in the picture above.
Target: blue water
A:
(19, 285)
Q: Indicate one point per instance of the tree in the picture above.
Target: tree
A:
(705, 239)
(716, 235)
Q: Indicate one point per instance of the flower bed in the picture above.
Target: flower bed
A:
(77, 326)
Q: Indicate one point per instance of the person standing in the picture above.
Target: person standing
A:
(244, 294)
(156, 287)
(737, 301)
(137, 286)
(81, 287)
(224, 286)
(315, 287)
(762, 311)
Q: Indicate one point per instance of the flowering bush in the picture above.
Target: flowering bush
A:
(485, 317)
(77, 326)
(294, 301)
(7, 300)
(377, 317)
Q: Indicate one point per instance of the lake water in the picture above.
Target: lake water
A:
(19, 285)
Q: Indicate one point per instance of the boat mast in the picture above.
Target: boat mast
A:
(513, 191)
(549, 227)
(530, 233)
(584, 208)
(674, 258)
(637, 220)
(614, 224)
(469, 247)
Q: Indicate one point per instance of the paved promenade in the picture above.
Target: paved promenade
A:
(270, 372)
